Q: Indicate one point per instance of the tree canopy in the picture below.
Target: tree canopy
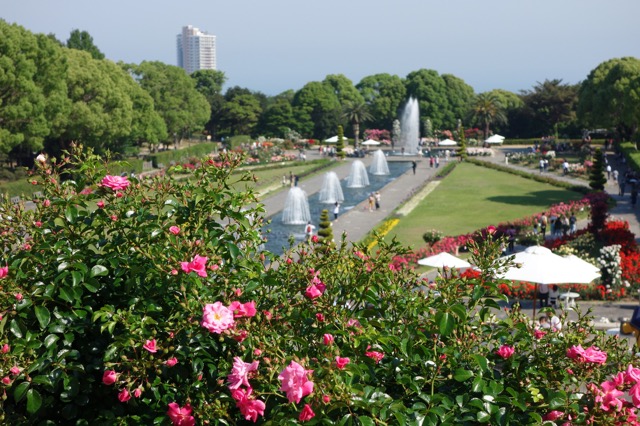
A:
(82, 40)
(383, 93)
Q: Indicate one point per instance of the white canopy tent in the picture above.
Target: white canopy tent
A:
(334, 139)
(447, 142)
(370, 142)
(495, 139)
(444, 260)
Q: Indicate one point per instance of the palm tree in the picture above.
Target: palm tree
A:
(356, 112)
(486, 110)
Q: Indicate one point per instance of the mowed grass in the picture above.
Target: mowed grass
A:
(273, 176)
(472, 197)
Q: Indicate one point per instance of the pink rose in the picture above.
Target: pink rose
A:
(171, 361)
(632, 374)
(594, 355)
(320, 317)
(174, 230)
(124, 395)
(313, 292)
(137, 393)
(4, 271)
(109, 377)
(240, 373)
(505, 351)
(15, 370)
(19, 296)
(250, 407)
(326, 399)
(150, 345)
(539, 334)
(327, 339)
(115, 182)
(553, 415)
(374, 355)
(635, 394)
(306, 414)
(217, 318)
(46, 203)
(38, 224)
(100, 204)
(6, 380)
(181, 416)
(342, 362)
(198, 265)
(119, 195)
(6, 348)
(243, 309)
(295, 382)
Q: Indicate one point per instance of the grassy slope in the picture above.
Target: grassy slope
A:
(472, 197)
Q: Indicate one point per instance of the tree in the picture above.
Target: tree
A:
(356, 113)
(461, 149)
(459, 96)
(82, 40)
(550, 105)
(209, 83)
(277, 118)
(597, 179)
(101, 113)
(428, 128)
(340, 144)
(431, 91)
(316, 110)
(486, 110)
(33, 91)
(240, 114)
(324, 228)
(610, 97)
(181, 106)
(343, 88)
(383, 93)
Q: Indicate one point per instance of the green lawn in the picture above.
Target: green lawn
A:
(270, 175)
(472, 197)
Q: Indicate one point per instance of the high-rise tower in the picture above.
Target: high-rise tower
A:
(196, 50)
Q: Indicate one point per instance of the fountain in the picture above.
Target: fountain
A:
(358, 177)
(379, 164)
(331, 191)
(410, 128)
(296, 208)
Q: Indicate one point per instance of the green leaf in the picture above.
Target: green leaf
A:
(461, 374)
(15, 328)
(483, 416)
(50, 340)
(63, 266)
(482, 362)
(71, 214)
(77, 276)
(446, 323)
(66, 294)
(366, 421)
(21, 391)
(234, 251)
(34, 401)
(43, 315)
(98, 271)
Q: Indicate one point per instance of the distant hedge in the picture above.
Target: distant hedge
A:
(177, 156)
(632, 154)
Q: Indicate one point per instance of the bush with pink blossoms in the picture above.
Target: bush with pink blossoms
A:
(111, 329)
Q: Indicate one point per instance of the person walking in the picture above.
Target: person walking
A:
(376, 196)
(336, 210)
(371, 200)
(309, 231)
(543, 225)
(413, 166)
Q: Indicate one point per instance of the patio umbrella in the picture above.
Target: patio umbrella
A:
(539, 265)
(494, 139)
(443, 260)
(369, 142)
(447, 142)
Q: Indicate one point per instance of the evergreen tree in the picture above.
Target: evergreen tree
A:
(461, 151)
(340, 144)
(324, 232)
(596, 175)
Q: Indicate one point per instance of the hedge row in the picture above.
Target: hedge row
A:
(177, 156)
(632, 154)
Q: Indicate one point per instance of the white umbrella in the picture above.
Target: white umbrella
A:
(447, 142)
(333, 139)
(539, 265)
(370, 142)
(443, 260)
(494, 139)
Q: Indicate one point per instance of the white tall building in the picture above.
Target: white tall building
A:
(196, 50)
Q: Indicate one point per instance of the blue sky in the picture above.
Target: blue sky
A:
(275, 45)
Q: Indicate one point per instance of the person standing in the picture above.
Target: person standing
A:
(543, 294)
(543, 224)
(336, 210)
(573, 223)
(371, 200)
(376, 195)
(431, 161)
(309, 230)
(541, 165)
(413, 166)
(437, 162)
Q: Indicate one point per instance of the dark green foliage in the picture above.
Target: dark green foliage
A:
(324, 230)
(340, 144)
(597, 179)
(82, 40)
(461, 149)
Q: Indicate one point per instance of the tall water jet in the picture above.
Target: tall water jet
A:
(358, 177)
(379, 164)
(331, 191)
(410, 127)
(296, 208)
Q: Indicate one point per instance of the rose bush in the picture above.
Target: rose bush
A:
(157, 307)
